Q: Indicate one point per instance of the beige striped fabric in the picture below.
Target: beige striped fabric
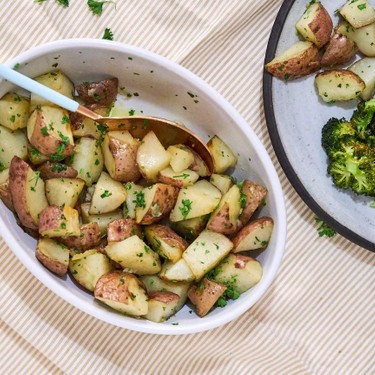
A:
(319, 315)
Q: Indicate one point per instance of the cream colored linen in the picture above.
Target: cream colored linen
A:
(319, 315)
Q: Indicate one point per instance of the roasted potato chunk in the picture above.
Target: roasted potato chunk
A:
(121, 229)
(56, 170)
(315, 25)
(27, 192)
(53, 255)
(301, 59)
(204, 295)
(14, 111)
(123, 292)
(89, 238)
(254, 195)
(102, 92)
(162, 305)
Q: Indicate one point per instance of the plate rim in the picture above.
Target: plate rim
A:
(278, 146)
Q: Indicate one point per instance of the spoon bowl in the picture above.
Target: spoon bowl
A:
(168, 132)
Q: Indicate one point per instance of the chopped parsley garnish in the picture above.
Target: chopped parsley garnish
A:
(65, 120)
(324, 229)
(186, 208)
(105, 194)
(108, 34)
(59, 167)
(44, 131)
(139, 199)
(183, 175)
(97, 6)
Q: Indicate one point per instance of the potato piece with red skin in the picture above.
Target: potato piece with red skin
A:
(27, 192)
(316, 24)
(120, 229)
(103, 92)
(205, 295)
(53, 255)
(48, 130)
(123, 292)
(56, 170)
(5, 194)
(253, 236)
(162, 305)
(157, 202)
(339, 50)
(58, 221)
(254, 195)
(301, 59)
(89, 238)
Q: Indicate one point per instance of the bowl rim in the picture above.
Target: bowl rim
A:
(201, 324)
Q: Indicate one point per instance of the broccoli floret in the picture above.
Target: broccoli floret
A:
(351, 161)
(334, 132)
(362, 117)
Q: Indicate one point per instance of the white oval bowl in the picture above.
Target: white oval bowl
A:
(167, 90)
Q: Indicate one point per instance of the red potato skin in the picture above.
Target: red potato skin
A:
(222, 224)
(90, 238)
(50, 217)
(17, 185)
(322, 26)
(55, 267)
(76, 119)
(338, 51)
(120, 229)
(165, 197)
(255, 195)
(103, 92)
(48, 170)
(166, 297)
(47, 144)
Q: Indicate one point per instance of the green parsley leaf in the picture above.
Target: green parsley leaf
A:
(108, 34)
(64, 3)
(186, 207)
(106, 194)
(324, 229)
(97, 6)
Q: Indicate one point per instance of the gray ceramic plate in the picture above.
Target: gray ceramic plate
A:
(295, 116)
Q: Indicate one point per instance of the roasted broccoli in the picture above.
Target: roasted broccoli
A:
(349, 146)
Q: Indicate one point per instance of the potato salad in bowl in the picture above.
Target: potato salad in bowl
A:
(134, 231)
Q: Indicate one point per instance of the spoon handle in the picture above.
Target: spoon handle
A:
(37, 88)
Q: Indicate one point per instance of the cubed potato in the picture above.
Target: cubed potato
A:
(35, 156)
(152, 157)
(109, 194)
(358, 13)
(199, 166)
(58, 221)
(222, 182)
(185, 178)
(339, 50)
(130, 203)
(191, 228)
(154, 283)
(120, 155)
(178, 271)
(206, 252)
(155, 202)
(239, 271)
(53, 255)
(134, 255)
(14, 111)
(338, 85)
(85, 127)
(103, 219)
(56, 80)
(103, 92)
(88, 267)
(5, 194)
(63, 191)
(204, 295)
(27, 192)
(196, 200)
(165, 242)
(88, 160)
(121, 229)
(253, 196)
(223, 156)
(364, 38)
(255, 235)
(123, 292)
(315, 25)
(56, 170)
(225, 218)
(89, 238)
(12, 143)
(301, 59)
(365, 69)
(181, 158)
(48, 130)
(161, 306)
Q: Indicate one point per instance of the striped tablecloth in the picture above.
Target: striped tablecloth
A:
(319, 315)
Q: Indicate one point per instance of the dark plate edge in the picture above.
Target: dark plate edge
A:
(276, 141)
